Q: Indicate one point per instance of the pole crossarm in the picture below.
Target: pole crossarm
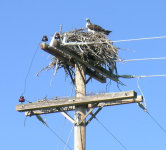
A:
(76, 101)
(53, 105)
(89, 106)
(67, 55)
(59, 53)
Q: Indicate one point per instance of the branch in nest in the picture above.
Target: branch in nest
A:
(94, 48)
(53, 64)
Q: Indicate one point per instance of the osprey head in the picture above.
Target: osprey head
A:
(87, 20)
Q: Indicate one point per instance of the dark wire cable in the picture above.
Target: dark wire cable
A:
(143, 106)
(69, 137)
(59, 137)
(42, 121)
(159, 125)
(153, 118)
(62, 131)
(124, 147)
(29, 69)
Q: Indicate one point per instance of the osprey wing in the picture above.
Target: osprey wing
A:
(97, 28)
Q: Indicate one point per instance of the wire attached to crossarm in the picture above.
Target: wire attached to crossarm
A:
(122, 145)
(42, 121)
(157, 123)
(143, 106)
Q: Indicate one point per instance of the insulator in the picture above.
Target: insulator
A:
(21, 99)
(45, 38)
(57, 36)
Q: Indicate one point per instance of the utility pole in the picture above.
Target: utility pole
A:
(79, 104)
(82, 105)
(80, 111)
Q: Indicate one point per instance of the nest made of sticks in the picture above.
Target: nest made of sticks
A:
(91, 47)
(95, 45)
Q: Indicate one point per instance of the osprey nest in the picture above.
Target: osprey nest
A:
(92, 48)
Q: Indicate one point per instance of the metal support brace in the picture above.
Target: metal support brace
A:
(94, 114)
(66, 115)
(89, 112)
(88, 80)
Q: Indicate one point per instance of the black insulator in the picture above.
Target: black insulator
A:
(45, 38)
(57, 36)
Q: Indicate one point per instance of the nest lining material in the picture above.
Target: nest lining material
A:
(91, 47)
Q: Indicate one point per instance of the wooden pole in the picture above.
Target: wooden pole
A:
(80, 129)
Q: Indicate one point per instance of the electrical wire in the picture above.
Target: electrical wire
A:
(148, 76)
(152, 117)
(117, 41)
(58, 137)
(66, 143)
(29, 69)
(138, 39)
(69, 137)
(25, 120)
(128, 60)
(138, 85)
(42, 121)
(158, 124)
(141, 76)
(63, 126)
(143, 106)
(122, 145)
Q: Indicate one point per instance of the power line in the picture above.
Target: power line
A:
(159, 125)
(143, 106)
(69, 137)
(42, 121)
(117, 41)
(141, 76)
(62, 132)
(138, 39)
(152, 117)
(59, 137)
(29, 69)
(128, 60)
(148, 76)
(124, 147)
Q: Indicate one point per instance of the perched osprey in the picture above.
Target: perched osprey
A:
(95, 28)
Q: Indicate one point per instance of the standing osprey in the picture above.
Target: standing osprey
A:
(95, 28)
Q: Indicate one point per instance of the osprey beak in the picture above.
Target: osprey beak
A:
(87, 19)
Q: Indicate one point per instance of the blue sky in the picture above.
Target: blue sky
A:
(22, 25)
